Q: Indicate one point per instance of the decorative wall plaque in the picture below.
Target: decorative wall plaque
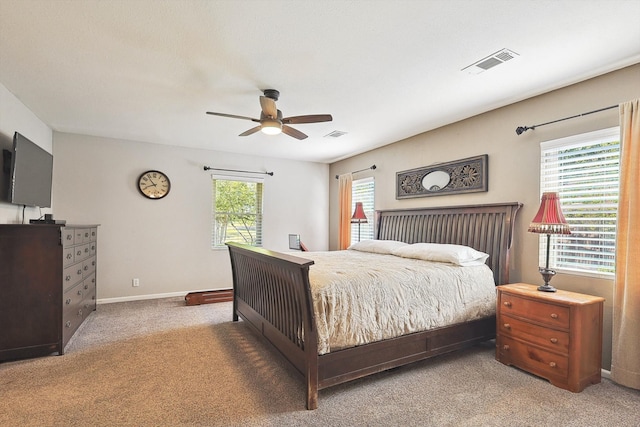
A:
(468, 175)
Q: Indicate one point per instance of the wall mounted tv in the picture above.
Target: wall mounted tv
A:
(31, 173)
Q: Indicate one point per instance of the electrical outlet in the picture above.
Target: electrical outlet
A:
(136, 282)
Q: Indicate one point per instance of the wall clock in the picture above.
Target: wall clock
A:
(154, 184)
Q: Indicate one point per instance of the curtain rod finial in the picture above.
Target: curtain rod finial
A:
(521, 129)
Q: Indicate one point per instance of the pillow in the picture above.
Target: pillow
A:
(455, 254)
(377, 246)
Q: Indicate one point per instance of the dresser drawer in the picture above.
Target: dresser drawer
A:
(89, 302)
(71, 301)
(82, 235)
(71, 275)
(537, 311)
(88, 266)
(67, 236)
(71, 321)
(82, 252)
(68, 256)
(551, 339)
(533, 359)
(72, 312)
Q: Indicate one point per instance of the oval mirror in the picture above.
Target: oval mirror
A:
(436, 180)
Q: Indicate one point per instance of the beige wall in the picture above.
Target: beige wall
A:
(513, 165)
(166, 243)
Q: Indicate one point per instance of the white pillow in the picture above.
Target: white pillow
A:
(377, 246)
(455, 254)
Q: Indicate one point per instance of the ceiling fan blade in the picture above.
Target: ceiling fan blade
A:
(233, 116)
(293, 132)
(250, 131)
(268, 107)
(312, 118)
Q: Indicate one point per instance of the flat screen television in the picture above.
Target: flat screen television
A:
(31, 173)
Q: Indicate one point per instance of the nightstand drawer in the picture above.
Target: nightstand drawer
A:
(550, 339)
(536, 311)
(533, 359)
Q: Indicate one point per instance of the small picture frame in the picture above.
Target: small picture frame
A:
(294, 242)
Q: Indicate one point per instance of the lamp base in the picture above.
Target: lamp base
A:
(547, 274)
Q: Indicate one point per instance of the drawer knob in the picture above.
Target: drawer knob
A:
(507, 326)
(507, 303)
(68, 324)
(68, 301)
(505, 347)
(554, 316)
(552, 364)
(80, 292)
(79, 272)
(67, 278)
(554, 340)
(80, 312)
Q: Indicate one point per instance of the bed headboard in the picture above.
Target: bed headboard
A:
(486, 228)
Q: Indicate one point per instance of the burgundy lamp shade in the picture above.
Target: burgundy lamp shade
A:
(549, 219)
(358, 215)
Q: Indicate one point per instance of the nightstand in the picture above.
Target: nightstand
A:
(554, 335)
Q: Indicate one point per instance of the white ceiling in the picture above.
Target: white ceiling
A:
(148, 70)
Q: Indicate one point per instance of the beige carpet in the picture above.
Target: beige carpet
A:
(161, 363)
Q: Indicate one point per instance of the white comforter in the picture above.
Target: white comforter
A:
(362, 297)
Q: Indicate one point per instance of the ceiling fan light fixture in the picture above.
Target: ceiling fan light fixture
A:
(271, 127)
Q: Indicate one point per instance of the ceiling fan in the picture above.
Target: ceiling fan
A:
(271, 120)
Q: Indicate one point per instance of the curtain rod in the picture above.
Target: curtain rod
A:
(209, 168)
(521, 129)
(372, 167)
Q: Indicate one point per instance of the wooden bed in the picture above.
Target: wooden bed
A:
(272, 295)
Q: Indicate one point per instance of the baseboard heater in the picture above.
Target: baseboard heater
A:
(209, 297)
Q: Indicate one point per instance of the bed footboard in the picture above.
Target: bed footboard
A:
(272, 294)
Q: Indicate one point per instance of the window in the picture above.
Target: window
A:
(362, 190)
(237, 211)
(584, 170)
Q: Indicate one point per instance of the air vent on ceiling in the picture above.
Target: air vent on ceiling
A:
(335, 134)
(491, 61)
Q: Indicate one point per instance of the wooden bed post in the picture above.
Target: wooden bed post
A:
(312, 385)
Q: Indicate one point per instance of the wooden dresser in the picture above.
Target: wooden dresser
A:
(47, 286)
(554, 335)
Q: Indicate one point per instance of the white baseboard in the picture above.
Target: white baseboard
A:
(151, 296)
(605, 374)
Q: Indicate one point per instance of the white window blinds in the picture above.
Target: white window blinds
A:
(584, 170)
(236, 210)
(363, 190)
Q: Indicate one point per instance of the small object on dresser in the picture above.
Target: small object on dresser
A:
(556, 336)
